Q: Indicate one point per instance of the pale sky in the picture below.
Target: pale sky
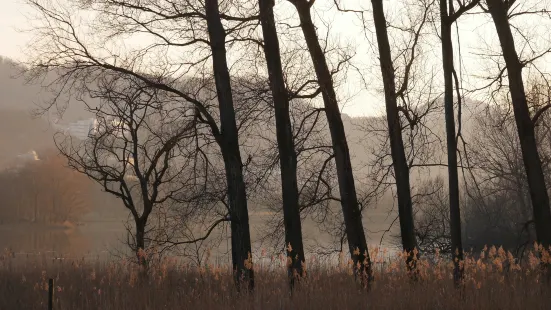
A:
(11, 17)
(365, 100)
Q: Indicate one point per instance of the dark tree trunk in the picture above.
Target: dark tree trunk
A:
(229, 144)
(525, 126)
(352, 215)
(399, 161)
(141, 256)
(140, 241)
(453, 177)
(285, 143)
(453, 182)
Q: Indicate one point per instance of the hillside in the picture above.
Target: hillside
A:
(16, 94)
(21, 133)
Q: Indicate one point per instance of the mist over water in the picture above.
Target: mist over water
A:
(106, 240)
(96, 239)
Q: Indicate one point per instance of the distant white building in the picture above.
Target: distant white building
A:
(80, 129)
(83, 129)
(29, 156)
(22, 160)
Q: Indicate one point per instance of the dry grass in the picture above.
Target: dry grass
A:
(493, 281)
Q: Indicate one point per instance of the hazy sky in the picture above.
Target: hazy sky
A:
(11, 17)
(473, 31)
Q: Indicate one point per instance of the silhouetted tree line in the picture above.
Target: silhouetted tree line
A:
(181, 116)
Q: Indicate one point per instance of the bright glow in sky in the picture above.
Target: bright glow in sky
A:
(362, 99)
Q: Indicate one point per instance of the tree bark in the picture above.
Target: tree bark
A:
(285, 143)
(140, 240)
(141, 256)
(399, 161)
(525, 127)
(229, 143)
(355, 234)
(453, 182)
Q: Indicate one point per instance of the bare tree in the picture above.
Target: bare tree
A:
(315, 176)
(432, 217)
(412, 102)
(286, 145)
(495, 208)
(241, 237)
(502, 190)
(399, 160)
(135, 152)
(449, 15)
(499, 10)
(355, 233)
(192, 28)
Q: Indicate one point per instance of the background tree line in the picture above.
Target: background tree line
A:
(44, 191)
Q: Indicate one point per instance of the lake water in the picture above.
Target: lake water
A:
(103, 239)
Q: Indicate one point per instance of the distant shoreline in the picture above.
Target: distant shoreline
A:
(38, 226)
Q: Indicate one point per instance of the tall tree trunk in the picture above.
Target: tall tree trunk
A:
(453, 182)
(399, 161)
(525, 126)
(355, 234)
(229, 143)
(285, 143)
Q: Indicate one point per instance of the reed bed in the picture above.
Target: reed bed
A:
(494, 279)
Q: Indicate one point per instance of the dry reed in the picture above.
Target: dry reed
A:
(493, 280)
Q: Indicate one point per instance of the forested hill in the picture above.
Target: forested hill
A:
(22, 130)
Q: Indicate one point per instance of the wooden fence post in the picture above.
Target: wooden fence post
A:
(50, 294)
